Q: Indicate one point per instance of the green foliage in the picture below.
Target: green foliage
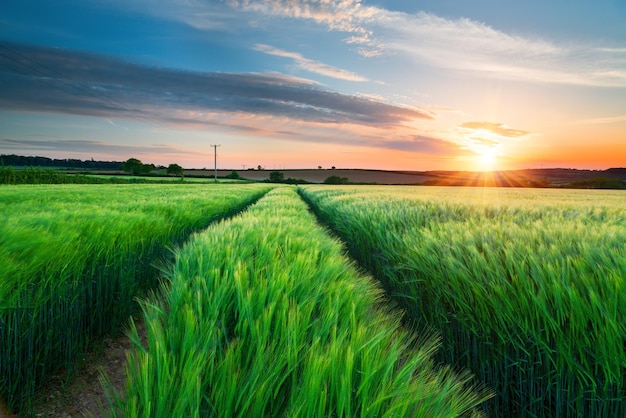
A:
(291, 180)
(133, 166)
(136, 167)
(9, 175)
(175, 170)
(263, 316)
(65, 163)
(73, 258)
(233, 175)
(336, 180)
(276, 177)
(597, 183)
(279, 177)
(526, 287)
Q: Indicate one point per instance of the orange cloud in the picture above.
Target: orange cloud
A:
(496, 128)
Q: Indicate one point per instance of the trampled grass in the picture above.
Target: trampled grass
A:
(74, 257)
(526, 287)
(262, 316)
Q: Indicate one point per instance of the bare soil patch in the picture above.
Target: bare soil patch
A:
(84, 396)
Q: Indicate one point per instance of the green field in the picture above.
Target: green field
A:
(74, 257)
(264, 315)
(526, 287)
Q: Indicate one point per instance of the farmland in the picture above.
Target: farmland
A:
(526, 287)
(520, 291)
(74, 257)
(263, 316)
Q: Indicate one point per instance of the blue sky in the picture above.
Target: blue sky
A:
(455, 85)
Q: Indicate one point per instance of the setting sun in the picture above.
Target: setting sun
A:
(486, 158)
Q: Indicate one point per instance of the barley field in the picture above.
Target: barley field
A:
(437, 301)
(74, 257)
(263, 316)
(527, 288)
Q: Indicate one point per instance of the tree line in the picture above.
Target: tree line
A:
(132, 165)
(28, 161)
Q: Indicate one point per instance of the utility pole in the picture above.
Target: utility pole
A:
(215, 159)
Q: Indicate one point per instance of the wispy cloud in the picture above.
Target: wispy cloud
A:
(39, 79)
(343, 15)
(55, 80)
(459, 44)
(310, 65)
(605, 120)
(426, 145)
(350, 16)
(495, 128)
(89, 146)
(468, 45)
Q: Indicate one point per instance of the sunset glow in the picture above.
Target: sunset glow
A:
(487, 159)
(383, 84)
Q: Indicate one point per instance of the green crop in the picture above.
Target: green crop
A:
(262, 316)
(526, 287)
(74, 257)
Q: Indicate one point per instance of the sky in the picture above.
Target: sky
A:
(382, 84)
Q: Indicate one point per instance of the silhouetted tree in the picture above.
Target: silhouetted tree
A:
(133, 166)
(233, 175)
(136, 167)
(277, 177)
(336, 180)
(175, 170)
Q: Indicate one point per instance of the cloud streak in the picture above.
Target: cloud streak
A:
(310, 65)
(605, 120)
(471, 46)
(89, 146)
(458, 44)
(425, 38)
(495, 128)
(55, 80)
(39, 79)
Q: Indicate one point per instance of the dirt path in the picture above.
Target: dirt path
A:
(84, 396)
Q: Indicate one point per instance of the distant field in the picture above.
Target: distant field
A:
(167, 178)
(513, 178)
(614, 178)
(318, 176)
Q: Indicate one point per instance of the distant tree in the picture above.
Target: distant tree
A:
(332, 168)
(277, 177)
(336, 180)
(136, 167)
(133, 166)
(319, 167)
(259, 167)
(233, 175)
(21, 161)
(175, 170)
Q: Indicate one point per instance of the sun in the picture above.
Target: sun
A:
(486, 158)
